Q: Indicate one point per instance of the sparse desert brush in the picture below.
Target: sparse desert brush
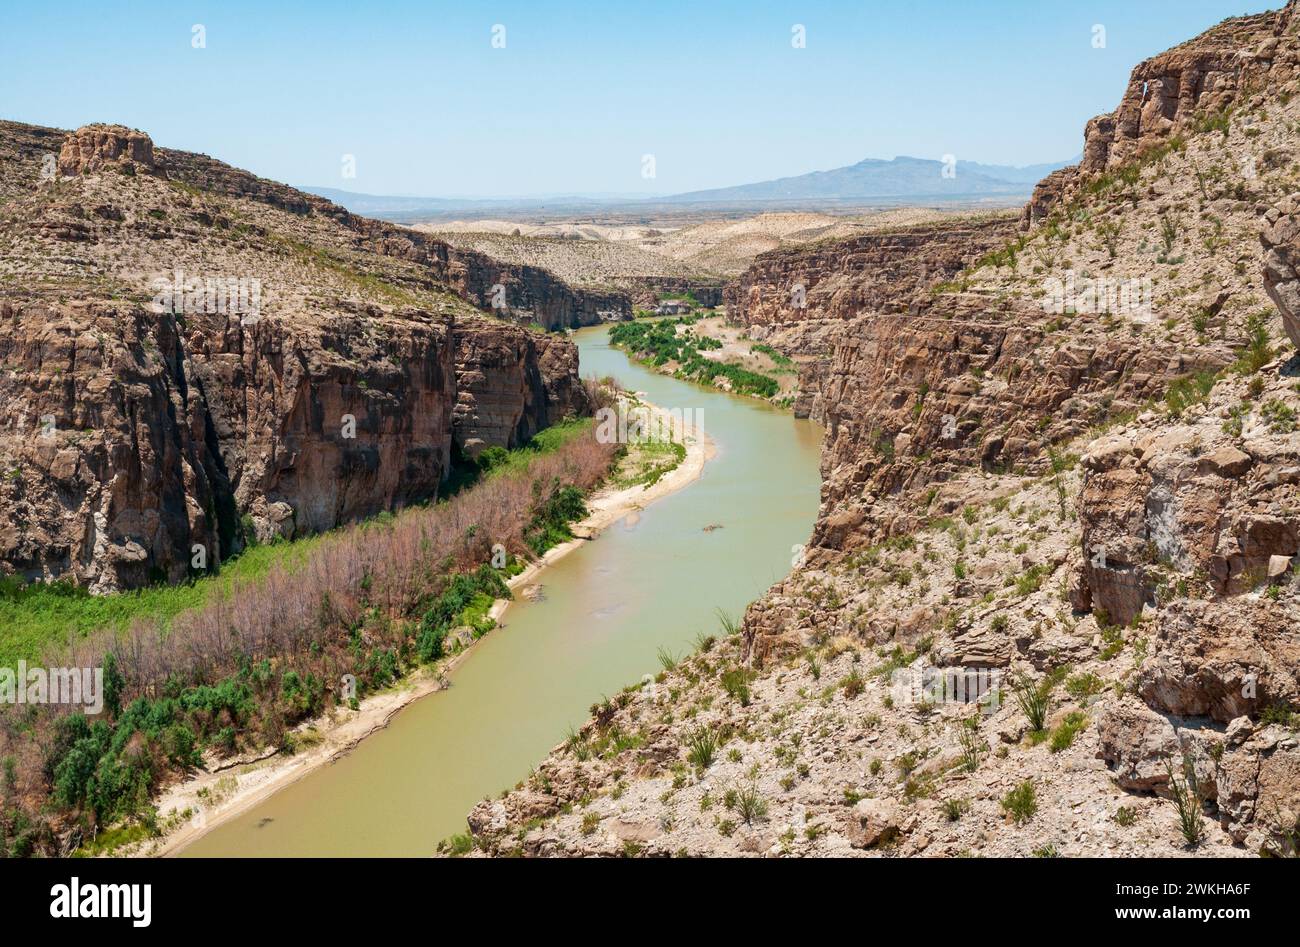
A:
(954, 809)
(907, 763)
(1034, 700)
(750, 804)
(702, 745)
(1021, 803)
(735, 681)
(973, 746)
(1063, 736)
(1083, 686)
(457, 845)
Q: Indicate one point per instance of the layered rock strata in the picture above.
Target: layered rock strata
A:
(223, 359)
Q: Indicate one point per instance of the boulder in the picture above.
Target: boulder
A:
(873, 822)
(1137, 743)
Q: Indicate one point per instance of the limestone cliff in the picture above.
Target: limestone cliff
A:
(799, 299)
(191, 357)
(510, 385)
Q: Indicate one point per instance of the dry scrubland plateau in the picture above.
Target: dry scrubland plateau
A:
(648, 260)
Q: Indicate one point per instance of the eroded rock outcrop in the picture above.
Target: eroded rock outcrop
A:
(800, 300)
(110, 475)
(1184, 90)
(510, 385)
(96, 147)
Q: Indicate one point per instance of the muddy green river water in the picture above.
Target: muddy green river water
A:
(607, 609)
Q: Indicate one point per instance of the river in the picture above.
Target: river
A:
(608, 607)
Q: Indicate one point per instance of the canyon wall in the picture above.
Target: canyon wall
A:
(128, 439)
(511, 384)
(1183, 91)
(888, 271)
(142, 442)
(707, 293)
(799, 300)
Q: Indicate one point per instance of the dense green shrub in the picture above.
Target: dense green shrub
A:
(552, 516)
(659, 342)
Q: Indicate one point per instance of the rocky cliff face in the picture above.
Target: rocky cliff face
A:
(707, 293)
(799, 299)
(110, 472)
(191, 357)
(893, 270)
(510, 385)
(1281, 240)
(1183, 91)
(1071, 467)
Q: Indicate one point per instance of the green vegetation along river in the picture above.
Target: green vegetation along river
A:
(607, 609)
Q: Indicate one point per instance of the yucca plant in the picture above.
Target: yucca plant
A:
(1190, 800)
(580, 748)
(1034, 700)
(735, 681)
(750, 805)
(702, 747)
(972, 746)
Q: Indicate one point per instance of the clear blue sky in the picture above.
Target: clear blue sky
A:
(582, 90)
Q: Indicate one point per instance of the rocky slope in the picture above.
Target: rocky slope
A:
(1073, 467)
(191, 356)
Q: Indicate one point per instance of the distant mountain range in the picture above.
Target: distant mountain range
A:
(875, 178)
(870, 180)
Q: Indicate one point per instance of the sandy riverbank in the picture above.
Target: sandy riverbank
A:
(212, 798)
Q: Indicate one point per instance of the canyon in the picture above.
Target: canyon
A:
(1061, 468)
(1093, 499)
